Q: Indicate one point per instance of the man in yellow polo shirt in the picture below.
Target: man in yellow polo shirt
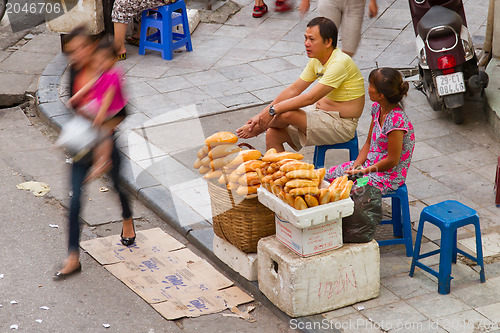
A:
(328, 113)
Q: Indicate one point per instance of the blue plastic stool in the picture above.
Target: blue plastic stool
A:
(320, 151)
(401, 220)
(165, 18)
(448, 216)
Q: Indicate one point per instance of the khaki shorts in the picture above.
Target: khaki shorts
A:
(323, 128)
(348, 17)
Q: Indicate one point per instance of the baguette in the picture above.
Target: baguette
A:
(320, 175)
(249, 166)
(271, 151)
(202, 152)
(290, 199)
(281, 181)
(301, 183)
(223, 179)
(197, 163)
(246, 190)
(312, 190)
(203, 170)
(218, 163)
(267, 179)
(221, 138)
(281, 156)
(277, 175)
(346, 191)
(223, 150)
(213, 174)
(285, 161)
(249, 179)
(311, 201)
(232, 186)
(324, 196)
(296, 165)
(299, 203)
(335, 194)
(205, 161)
(303, 174)
(243, 156)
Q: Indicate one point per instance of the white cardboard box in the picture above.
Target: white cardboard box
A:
(331, 280)
(243, 263)
(306, 217)
(309, 231)
(309, 241)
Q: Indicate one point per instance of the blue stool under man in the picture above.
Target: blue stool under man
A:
(448, 216)
(320, 151)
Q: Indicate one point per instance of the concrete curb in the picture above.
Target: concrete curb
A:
(144, 186)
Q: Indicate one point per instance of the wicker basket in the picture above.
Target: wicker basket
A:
(242, 222)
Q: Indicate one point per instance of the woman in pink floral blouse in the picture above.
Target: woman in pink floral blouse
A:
(386, 154)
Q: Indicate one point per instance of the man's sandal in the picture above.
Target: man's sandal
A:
(122, 56)
(133, 40)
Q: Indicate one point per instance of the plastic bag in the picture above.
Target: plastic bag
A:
(361, 225)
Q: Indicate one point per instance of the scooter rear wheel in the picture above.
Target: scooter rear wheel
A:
(457, 115)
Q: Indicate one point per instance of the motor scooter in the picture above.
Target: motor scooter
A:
(448, 65)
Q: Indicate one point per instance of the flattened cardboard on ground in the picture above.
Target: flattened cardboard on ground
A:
(161, 270)
(205, 304)
(109, 250)
(156, 282)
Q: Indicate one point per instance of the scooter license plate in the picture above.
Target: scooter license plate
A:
(450, 84)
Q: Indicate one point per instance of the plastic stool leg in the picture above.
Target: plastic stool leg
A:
(479, 252)
(397, 225)
(354, 150)
(185, 28)
(444, 276)
(144, 32)
(406, 224)
(319, 157)
(454, 251)
(167, 42)
(416, 251)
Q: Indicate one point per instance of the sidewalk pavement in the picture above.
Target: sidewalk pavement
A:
(238, 66)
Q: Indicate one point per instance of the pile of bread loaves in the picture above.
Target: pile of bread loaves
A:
(284, 174)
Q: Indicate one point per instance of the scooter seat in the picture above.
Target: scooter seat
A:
(439, 16)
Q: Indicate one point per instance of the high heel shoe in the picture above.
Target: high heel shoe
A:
(58, 276)
(127, 241)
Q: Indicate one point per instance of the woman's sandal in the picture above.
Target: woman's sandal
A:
(122, 56)
(132, 40)
(58, 276)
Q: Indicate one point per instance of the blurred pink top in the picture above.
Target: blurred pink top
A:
(108, 79)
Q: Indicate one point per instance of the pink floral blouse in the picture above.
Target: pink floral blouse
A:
(393, 178)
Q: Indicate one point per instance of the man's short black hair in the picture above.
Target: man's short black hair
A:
(327, 29)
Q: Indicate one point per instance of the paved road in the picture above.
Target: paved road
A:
(31, 250)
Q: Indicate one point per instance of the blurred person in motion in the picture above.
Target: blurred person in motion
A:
(102, 99)
(347, 16)
(386, 155)
(80, 48)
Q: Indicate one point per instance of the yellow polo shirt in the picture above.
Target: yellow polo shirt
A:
(340, 72)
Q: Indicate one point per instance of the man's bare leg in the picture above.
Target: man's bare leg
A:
(276, 137)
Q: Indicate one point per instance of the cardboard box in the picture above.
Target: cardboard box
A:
(309, 241)
(331, 280)
(306, 217)
(309, 231)
(173, 279)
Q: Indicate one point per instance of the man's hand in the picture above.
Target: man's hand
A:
(264, 120)
(373, 8)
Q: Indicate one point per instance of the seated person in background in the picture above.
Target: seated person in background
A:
(334, 104)
(386, 154)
